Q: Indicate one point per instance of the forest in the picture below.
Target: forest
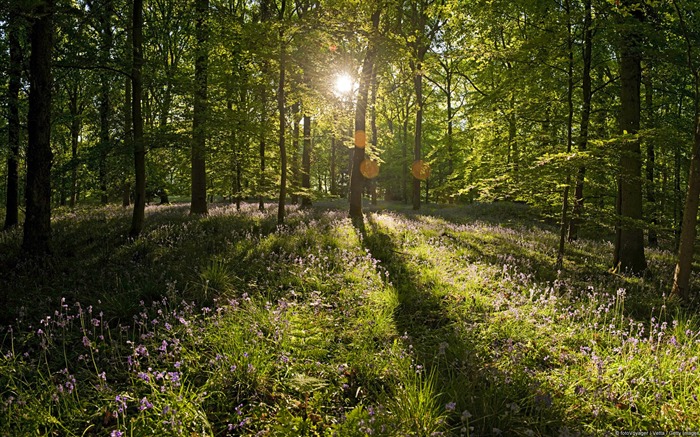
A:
(349, 218)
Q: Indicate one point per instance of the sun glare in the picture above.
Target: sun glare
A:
(343, 84)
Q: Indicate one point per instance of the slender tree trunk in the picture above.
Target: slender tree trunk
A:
(406, 163)
(569, 139)
(585, 119)
(199, 122)
(37, 223)
(138, 216)
(418, 88)
(651, 158)
(296, 173)
(373, 126)
(74, 140)
(128, 125)
(357, 180)
(681, 276)
(334, 186)
(105, 104)
(306, 164)
(282, 125)
(629, 250)
(13, 125)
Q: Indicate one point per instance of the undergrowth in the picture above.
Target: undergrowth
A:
(449, 323)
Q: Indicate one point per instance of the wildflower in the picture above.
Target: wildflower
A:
(450, 406)
(116, 433)
(466, 415)
(145, 404)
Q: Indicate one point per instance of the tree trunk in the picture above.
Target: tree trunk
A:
(13, 125)
(296, 173)
(585, 119)
(199, 123)
(306, 164)
(418, 87)
(105, 105)
(373, 126)
(37, 223)
(681, 276)
(282, 125)
(334, 188)
(357, 180)
(138, 216)
(74, 139)
(569, 139)
(629, 248)
(651, 158)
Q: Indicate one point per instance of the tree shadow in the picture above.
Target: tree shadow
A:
(447, 347)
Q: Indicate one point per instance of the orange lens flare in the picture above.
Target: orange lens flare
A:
(420, 170)
(369, 168)
(360, 139)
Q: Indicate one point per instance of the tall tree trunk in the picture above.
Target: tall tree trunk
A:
(651, 158)
(585, 119)
(357, 180)
(75, 124)
(373, 126)
(13, 125)
(138, 216)
(629, 247)
(404, 156)
(681, 276)
(37, 223)
(418, 88)
(199, 122)
(105, 105)
(334, 186)
(282, 123)
(306, 164)
(569, 139)
(296, 172)
(128, 125)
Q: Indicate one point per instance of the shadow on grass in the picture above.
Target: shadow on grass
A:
(464, 373)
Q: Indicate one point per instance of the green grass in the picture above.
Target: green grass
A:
(452, 322)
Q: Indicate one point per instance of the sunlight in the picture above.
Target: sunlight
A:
(344, 84)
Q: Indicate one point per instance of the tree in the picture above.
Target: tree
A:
(13, 128)
(306, 164)
(282, 117)
(199, 123)
(629, 241)
(357, 180)
(137, 121)
(681, 275)
(37, 223)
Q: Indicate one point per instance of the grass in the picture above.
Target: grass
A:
(452, 322)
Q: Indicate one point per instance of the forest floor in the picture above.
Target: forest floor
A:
(448, 322)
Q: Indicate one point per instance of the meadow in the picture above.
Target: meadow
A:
(451, 322)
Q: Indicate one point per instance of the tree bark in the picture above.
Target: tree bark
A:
(418, 87)
(585, 119)
(105, 104)
(75, 125)
(13, 125)
(357, 180)
(282, 124)
(138, 216)
(686, 249)
(306, 164)
(629, 248)
(569, 139)
(37, 223)
(199, 123)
